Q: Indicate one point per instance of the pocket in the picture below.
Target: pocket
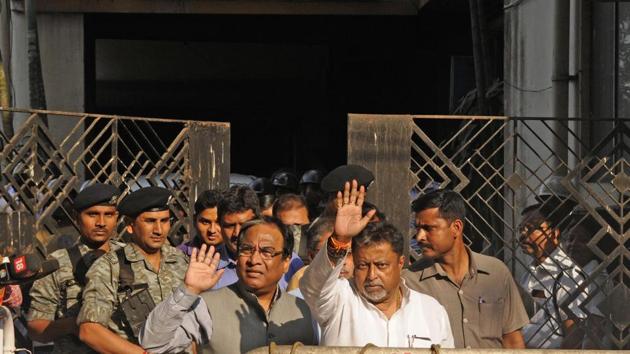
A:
(491, 319)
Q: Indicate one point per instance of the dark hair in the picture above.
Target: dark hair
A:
(450, 204)
(379, 232)
(207, 200)
(288, 201)
(266, 200)
(238, 199)
(287, 237)
(314, 233)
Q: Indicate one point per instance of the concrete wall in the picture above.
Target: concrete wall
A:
(62, 52)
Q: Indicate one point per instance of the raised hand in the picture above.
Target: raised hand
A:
(349, 221)
(202, 273)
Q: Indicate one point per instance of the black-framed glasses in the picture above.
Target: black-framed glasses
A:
(266, 253)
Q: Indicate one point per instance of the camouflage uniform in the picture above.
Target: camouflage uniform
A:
(58, 296)
(101, 298)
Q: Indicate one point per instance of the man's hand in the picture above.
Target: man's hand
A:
(202, 273)
(349, 222)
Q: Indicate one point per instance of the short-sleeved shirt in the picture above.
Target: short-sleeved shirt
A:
(101, 299)
(58, 295)
(486, 306)
(558, 279)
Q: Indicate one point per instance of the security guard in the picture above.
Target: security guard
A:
(56, 298)
(124, 286)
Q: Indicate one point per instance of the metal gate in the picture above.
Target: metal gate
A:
(42, 171)
(505, 168)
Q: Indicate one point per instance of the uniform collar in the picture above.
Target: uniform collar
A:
(169, 254)
(476, 265)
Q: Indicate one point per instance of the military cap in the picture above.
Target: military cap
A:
(285, 179)
(312, 176)
(262, 186)
(96, 194)
(552, 187)
(335, 180)
(145, 199)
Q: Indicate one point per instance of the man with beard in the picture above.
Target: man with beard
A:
(206, 223)
(375, 306)
(478, 292)
(123, 283)
(238, 205)
(56, 298)
(236, 319)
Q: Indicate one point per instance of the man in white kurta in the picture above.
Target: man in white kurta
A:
(348, 319)
(375, 306)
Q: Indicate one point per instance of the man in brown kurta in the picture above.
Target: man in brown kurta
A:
(482, 301)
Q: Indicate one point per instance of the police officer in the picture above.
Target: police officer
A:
(56, 298)
(124, 286)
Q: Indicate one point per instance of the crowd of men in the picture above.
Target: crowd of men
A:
(286, 260)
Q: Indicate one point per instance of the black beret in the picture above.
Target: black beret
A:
(335, 180)
(145, 199)
(96, 194)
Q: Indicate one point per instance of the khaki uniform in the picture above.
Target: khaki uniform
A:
(57, 296)
(486, 306)
(101, 299)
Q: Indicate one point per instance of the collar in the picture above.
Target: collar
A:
(225, 256)
(476, 265)
(252, 299)
(169, 254)
(557, 261)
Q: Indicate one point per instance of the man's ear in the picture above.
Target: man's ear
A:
(457, 226)
(401, 262)
(129, 228)
(285, 264)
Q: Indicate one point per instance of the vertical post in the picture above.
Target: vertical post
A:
(382, 144)
(209, 156)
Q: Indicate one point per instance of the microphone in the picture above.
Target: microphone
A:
(23, 269)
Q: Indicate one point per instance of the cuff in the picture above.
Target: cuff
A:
(183, 298)
(34, 314)
(97, 312)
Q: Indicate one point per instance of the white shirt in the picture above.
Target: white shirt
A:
(348, 319)
(558, 276)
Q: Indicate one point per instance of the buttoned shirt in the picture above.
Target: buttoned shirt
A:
(229, 277)
(348, 319)
(227, 320)
(101, 299)
(58, 295)
(483, 308)
(554, 285)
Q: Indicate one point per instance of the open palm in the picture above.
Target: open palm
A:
(202, 273)
(349, 222)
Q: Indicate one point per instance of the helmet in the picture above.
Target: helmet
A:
(312, 176)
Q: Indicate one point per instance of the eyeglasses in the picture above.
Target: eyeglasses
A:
(266, 253)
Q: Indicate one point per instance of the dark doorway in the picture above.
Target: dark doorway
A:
(285, 83)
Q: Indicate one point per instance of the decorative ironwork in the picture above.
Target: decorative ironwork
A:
(43, 170)
(504, 167)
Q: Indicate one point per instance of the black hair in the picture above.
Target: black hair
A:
(314, 233)
(207, 200)
(450, 204)
(238, 199)
(287, 236)
(288, 201)
(266, 200)
(379, 232)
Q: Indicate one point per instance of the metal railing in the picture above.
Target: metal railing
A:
(42, 167)
(507, 168)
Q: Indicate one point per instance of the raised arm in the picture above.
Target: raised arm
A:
(320, 285)
(183, 317)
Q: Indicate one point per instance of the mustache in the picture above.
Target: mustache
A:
(373, 283)
(425, 245)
